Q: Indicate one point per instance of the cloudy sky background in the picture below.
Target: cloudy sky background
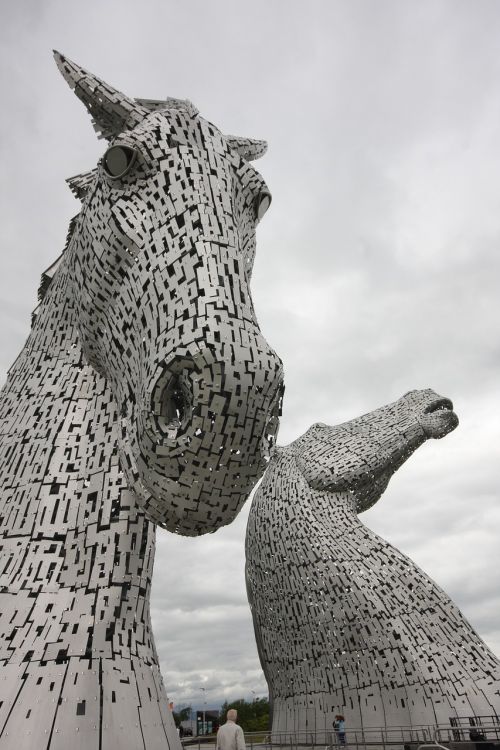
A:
(377, 266)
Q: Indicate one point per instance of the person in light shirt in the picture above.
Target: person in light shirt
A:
(230, 736)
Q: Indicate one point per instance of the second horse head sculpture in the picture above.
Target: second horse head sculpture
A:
(344, 621)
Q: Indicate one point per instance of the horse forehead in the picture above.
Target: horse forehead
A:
(182, 125)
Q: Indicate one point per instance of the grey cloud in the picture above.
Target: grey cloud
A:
(377, 264)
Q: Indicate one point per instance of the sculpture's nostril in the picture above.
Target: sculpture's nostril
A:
(172, 402)
(172, 406)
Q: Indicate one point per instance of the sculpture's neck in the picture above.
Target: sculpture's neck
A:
(333, 509)
(48, 365)
(69, 527)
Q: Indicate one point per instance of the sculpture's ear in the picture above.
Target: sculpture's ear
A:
(248, 148)
(112, 112)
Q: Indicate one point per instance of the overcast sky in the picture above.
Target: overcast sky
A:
(378, 264)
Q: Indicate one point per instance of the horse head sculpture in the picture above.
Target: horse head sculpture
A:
(160, 259)
(344, 622)
(361, 455)
(145, 395)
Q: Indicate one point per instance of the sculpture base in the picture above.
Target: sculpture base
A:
(85, 704)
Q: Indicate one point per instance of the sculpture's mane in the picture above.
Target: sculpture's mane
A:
(48, 274)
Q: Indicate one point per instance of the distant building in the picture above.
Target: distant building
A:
(211, 721)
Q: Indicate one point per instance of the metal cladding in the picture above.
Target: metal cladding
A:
(160, 263)
(145, 393)
(345, 623)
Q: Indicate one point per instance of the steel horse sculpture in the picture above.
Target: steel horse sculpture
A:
(345, 623)
(145, 395)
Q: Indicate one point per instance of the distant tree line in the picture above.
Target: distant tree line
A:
(253, 716)
(183, 715)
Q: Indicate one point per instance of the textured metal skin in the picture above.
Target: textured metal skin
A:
(145, 393)
(345, 623)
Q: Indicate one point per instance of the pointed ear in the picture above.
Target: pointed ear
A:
(112, 112)
(248, 148)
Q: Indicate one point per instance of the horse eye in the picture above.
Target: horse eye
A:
(117, 160)
(262, 203)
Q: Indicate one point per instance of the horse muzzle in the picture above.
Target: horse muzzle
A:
(205, 434)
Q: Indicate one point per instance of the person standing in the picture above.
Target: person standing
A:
(339, 726)
(230, 736)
